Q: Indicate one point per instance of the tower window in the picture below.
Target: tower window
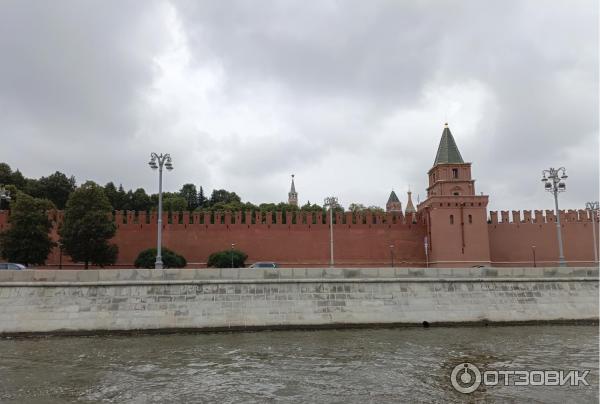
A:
(451, 219)
(470, 219)
(455, 173)
(456, 193)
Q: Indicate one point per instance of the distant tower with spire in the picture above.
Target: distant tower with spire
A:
(393, 204)
(410, 208)
(293, 195)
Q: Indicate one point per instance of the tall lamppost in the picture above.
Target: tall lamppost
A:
(554, 182)
(332, 202)
(4, 195)
(593, 208)
(533, 252)
(159, 161)
(232, 246)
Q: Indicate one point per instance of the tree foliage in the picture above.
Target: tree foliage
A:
(88, 226)
(360, 208)
(56, 187)
(227, 259)
(189, 193)
(223, 196)
(174, 204)
(27, 240)
(202, 200)
(170, 259)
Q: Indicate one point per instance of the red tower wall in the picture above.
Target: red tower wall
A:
(457, 230)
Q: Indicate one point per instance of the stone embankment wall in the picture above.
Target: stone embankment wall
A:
(46, 301)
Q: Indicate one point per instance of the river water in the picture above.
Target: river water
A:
(325, 366)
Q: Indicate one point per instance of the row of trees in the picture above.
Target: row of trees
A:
(88, 226)
(57, 188)
(84, 233)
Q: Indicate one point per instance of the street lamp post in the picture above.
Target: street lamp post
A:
(332, 202)
(159, 161)
(232, 246)
(426, 245)
(4, 195)
(552, 183)
(593, 208)
(392, 254)
(533, 251)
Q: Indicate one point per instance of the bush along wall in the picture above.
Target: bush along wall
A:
(170, 259)
(227, 259)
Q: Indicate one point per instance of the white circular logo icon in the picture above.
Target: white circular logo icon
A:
(465, 378)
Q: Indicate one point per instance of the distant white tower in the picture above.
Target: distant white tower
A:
(293, 195)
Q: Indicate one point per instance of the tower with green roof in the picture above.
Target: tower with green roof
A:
(393, 204)
(456, 218)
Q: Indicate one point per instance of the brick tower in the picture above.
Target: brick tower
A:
(456, 218)
(393, 204)
(293, 195)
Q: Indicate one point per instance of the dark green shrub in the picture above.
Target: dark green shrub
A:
(224, 259)
(170, 259)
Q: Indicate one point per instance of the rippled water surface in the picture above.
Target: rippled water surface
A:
(333, 366)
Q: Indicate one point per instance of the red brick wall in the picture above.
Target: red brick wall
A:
(362, 241)
(511, 241)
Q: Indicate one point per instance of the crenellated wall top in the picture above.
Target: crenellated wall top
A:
(217, 218)
(538, 216)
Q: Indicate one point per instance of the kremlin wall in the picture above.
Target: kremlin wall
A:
(451, 228)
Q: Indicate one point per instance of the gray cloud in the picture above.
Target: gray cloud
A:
(350, 96)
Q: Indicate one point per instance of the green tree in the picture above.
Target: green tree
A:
(88, 226)
(18, 180)
(57, 188)
(170, 259)
(225, 259)
(140, 200)
(9, 177)
(223, 196)
(121, 200)
(174, 204)
(359, 208)
(27, 240)
(33, 187)
(5, 174)
(189, 193)
(112, 194)
(356, 207)
(311, 208)
(375, 209)
(202, 200)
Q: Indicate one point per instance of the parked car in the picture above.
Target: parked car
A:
(264, 264)
(12, 265)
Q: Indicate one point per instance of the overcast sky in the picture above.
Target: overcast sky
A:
(350, 96)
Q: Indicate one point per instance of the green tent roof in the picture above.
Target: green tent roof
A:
(393, 198)
(447, 150)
